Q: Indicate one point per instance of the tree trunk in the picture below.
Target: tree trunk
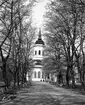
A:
(14, 79)
(80, 71)
(5, 75)
(18, 80)
(73, 80)
(67, 76)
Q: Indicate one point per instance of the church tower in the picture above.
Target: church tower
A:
(38, 56)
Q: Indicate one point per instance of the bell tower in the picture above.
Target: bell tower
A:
(38, 56)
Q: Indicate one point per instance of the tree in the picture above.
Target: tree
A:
(12, 16)
(6, 31)
(63, 25)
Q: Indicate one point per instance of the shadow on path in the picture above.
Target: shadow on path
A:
(41, 93)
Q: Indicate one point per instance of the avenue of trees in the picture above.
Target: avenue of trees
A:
(16, 35)
(65, 27)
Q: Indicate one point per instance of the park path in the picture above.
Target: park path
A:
(41, 93)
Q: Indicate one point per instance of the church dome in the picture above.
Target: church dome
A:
(39, 41)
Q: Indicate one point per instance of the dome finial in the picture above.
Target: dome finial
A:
(39, 41)
(39, 33)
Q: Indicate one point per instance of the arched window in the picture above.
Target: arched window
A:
(39, 52)
(35, 52)
(42, 52)
(35, 74)
(38, 74)
(42, 74)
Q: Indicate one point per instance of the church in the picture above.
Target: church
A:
(38, 56)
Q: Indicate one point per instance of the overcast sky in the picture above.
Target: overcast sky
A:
(38, 12)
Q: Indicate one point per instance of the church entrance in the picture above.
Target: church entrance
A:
(37, 74)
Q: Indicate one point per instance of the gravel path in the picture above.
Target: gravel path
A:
(41, 93)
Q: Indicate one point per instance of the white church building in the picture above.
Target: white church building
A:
(38, 56)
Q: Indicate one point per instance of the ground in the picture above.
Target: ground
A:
(41, 93)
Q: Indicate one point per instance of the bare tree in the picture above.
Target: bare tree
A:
(12, 16)
(64, 25)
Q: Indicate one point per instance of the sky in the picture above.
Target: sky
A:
(37, 15)
(38, 12)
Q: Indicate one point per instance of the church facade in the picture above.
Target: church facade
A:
(38, 56)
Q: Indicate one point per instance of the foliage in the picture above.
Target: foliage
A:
(15, 40)
(65, 24)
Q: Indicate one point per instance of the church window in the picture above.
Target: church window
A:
(42, 74)
(39, 52)
(35, 74)
(39, 74)
(42, 52)
(35, 52)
